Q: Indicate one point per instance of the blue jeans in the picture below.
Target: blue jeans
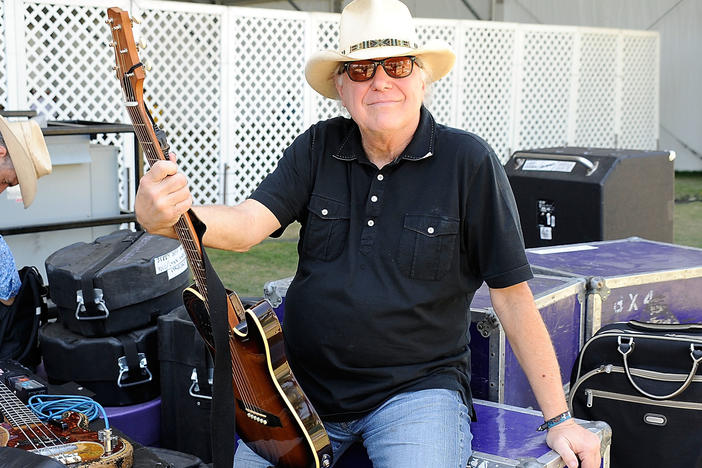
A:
(427, 428)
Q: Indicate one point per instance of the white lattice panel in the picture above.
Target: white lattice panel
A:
(68, 69)
(326, 38)
(268, 94)
(183, 90)
(486, 71)
(544, 93)
(3, 60)
(595, 121)
(442, 103)
(639, 91)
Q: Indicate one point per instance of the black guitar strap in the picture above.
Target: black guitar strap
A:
(222, 416)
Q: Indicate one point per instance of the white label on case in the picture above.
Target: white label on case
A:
(174, 262)
(545, 232)
(548, 165)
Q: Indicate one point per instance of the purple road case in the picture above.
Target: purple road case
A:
(630, 279)
(495, 373)
(505, 436)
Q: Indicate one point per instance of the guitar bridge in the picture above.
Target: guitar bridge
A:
(259, 415)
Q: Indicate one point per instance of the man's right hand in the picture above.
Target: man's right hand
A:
(163, 196)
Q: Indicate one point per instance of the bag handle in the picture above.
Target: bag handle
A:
(665, 327)
(625, 348)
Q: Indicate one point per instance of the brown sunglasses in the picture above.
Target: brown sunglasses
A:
(364, 70)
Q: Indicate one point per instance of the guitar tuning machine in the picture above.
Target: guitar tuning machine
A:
(147, 65)
(141, 45)
(135, 20)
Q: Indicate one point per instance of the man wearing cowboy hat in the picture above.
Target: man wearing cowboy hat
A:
(23, 159)
(402, 220)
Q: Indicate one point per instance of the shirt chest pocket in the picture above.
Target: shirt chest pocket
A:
(427, 245)
(327, 228)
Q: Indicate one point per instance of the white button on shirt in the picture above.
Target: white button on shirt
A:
(380, 176)
(371, 222)
(430, 230)
(374, 199)
(325, 212)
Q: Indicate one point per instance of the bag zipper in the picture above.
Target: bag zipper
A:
(661, 376)
(592, 394)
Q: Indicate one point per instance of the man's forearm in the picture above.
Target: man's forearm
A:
(532, 346)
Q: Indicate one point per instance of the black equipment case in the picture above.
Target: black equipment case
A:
(186, 380)
(645, 381)
(568, 195)
(121, 370)
(119, 282)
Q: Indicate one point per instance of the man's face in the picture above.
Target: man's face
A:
(383, 104)
(8, 176)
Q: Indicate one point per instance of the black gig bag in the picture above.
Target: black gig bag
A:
(121, 370)
(186, 386)
(19, 322)
(120, 282)
(645, 381)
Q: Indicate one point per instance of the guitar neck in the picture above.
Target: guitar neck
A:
(16, 413)
(150, 144)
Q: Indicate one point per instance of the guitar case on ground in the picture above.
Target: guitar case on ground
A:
(120, 282)
(121, 370)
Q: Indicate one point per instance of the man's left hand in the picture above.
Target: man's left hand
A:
(573, 442)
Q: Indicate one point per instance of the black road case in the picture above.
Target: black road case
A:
(119, 282)
(120, 370)
(568, 195)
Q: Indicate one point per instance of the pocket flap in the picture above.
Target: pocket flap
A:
(327, 208)
(431, 225)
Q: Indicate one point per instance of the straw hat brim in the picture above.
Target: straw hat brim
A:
(436, 58)
(21, 159)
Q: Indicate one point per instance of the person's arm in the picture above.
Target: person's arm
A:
(532, 346)
(163, 196)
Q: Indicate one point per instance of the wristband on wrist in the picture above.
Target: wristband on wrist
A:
(555, 421)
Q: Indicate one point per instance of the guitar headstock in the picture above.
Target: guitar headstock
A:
(130, 70)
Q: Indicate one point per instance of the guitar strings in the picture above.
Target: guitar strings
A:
(19, 419)
(182, 230)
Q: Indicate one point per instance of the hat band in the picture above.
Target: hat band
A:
(380, 43)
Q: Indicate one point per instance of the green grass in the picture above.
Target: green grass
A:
(688, 186)
(273, 259)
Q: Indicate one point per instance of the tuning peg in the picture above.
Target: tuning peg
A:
(135, 19)
(147, 65)
(141, 45)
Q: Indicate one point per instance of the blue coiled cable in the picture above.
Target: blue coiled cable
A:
(48, 407)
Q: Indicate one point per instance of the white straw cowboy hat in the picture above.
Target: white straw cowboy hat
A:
(376, 29)
(30, 157)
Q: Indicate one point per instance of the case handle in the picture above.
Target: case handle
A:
(625, 348)
(591, 167)
(195, 386)
(99, 305)
(665, 327)
(124, 369)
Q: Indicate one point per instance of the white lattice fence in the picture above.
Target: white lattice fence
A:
(268, 92)
(640, 84)
(544, 91)
(3, 60)
(227, 83)
(486, 73)
(597, 92)
(184, 90)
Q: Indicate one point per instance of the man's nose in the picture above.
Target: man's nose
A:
(381, 80)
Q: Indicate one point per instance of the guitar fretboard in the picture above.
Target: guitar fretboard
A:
(16, 413)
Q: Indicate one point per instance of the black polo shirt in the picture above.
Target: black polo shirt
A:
(389, 260)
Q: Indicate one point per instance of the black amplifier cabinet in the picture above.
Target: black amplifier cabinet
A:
(569, 195)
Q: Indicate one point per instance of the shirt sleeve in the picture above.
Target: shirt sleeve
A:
(495, 241)
(9, 277)
(286, 190)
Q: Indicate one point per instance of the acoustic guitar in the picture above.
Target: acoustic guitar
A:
(67, 441)
(273, 415)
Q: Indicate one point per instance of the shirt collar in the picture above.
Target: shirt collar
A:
(420, 147)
